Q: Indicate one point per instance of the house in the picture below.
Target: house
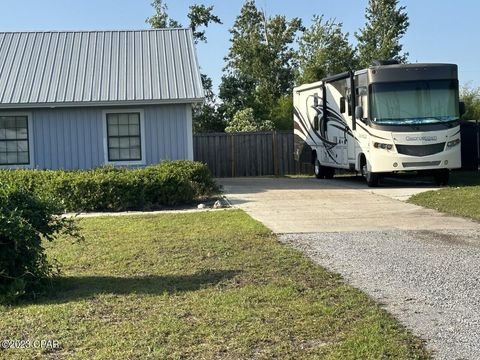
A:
(83, 99)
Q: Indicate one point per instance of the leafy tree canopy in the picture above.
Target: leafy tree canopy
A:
(324, 50)
(380, 38)
(198, 15)
(471, 97)
(245, 121)
(261, 62)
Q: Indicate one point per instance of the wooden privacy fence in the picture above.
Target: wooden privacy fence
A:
(248, 154)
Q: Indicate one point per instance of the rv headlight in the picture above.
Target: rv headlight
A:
(377, 145)
(453, 143)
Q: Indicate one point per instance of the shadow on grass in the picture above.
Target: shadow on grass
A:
(72, 288)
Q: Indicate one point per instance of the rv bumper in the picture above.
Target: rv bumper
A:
(391, 161)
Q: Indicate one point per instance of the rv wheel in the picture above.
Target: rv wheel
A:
(372, 178)
(319, 170)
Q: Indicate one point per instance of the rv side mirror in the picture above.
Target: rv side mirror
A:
(342, 105)
(461, 108)
(358, 112)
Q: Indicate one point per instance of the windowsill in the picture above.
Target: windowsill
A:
(18, 166)
(126, 163)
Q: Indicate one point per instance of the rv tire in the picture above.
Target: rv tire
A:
(371, 178)
(318, 169)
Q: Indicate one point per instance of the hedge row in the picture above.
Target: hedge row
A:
(118, 189)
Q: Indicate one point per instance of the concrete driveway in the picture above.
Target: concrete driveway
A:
(305, 205)
(423, 266)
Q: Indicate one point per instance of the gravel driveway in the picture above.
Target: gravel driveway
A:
(429, 280)
(423, 266)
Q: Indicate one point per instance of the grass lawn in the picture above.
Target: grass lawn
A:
(211, 285)
(461, 198)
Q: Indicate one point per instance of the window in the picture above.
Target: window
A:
(14, 141)
(124, 137)
(415, 102)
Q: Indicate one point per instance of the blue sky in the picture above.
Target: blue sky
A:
(440, 30)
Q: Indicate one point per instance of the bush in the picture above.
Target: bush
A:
(25, 220)
(117, 189)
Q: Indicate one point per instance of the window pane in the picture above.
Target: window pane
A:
(3, 134)
(12, 146)
(133, 119)
(135, 153)
(113, 130)
(134, 130)
(12, 158)
(114, 154)
(114, 143)
(123, 119)
(3, 158)
(10, 122)
(112, 119)
(3, 146)
(134, 142)
(21, 122)
(21, 133)
(23, 157)
(124, 143)
(22, 145)
(11, 133)
(123, 130)
(124, 154)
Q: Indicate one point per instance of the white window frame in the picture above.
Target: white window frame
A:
(31, 157)
(143, 161)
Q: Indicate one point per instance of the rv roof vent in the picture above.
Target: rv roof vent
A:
(385, 62)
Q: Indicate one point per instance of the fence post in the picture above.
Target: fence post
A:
(274, 153)
(232, 149)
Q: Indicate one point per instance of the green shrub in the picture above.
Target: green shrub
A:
(117, 189)
(26, 220)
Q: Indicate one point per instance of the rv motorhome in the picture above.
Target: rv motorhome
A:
(385, 119)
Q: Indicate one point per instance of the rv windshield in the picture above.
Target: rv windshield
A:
(414, 102)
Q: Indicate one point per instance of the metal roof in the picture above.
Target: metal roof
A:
(86, 68)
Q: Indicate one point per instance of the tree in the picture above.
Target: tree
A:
(380, 37)
(282, 113)
(244, 121)
(201, 15)
(471, 97)
(324, 50)
(261, 61)
(206, 117)
(238, 92)
(161, 20)
(198, 15)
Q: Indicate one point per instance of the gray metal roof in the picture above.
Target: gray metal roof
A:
(78, 68)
